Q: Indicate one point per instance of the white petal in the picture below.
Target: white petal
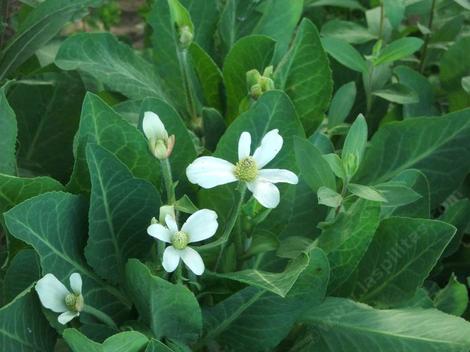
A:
(52, 293)
(244, 145)
(171, 223)
(209, 172)
(160, 232)
(76, 283)
(271, 144)
(193, 260)
(201, 225)
(278, 175)
(65, 317)
(265, 193)
(153, 127)
(171, 258)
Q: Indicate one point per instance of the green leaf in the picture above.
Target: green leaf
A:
(23, 327)
(348, 4)
(313, 167)
(398, 49)
(398, 93)
(209, 76)
(157, 346)
(171, 310)
(429, 144)
(466, 84)
(127, 341)
(278, 283)
(346, 240)
(54, 224)
(452, 299)
(341, 105)
(111, 62)
(101, 125)
(395, 11)
(22, 271)
(305, 76)
(396, 194)
(336, 165)
(350, 32)
(354, 146)
(251, 52)
(341, 325)
(278, 21)
(399, 259)
(232, 320)
(204, 15)
(214, 127)
(457, 214)
(53, 109)
(121, 207)
(38, 28)
(330, 198)
(344, 53)
(8, 140)
(170, 59)
(366, 192)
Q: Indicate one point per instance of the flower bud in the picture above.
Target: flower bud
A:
(160, 144)
(351, 164)
(186, 36)
(259, 84)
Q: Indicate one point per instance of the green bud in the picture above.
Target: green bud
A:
(351, 164)
(267, 84)
(256, 91)
(268, 71)
(186, 36)
(252, 78)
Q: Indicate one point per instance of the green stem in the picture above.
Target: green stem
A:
(427, 38)
(168, 180)
(178, 276)
(382, 20)
(231, 223)
(105, 318)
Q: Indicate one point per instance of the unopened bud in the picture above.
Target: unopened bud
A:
(259, 84)
(186, 36)
(252, 78)
(351, 164)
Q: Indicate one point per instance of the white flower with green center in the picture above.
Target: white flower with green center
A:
(160, 144)
(55, 296)
(198, 227)
(209, 172)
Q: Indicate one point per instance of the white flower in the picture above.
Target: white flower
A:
(160, 144)
(56, 297)
(200, 226)
(208, 171)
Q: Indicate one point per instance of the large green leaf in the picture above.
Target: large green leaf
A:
(170, 58)
(346, 240)
(127, 341)
(341, 325)
(278, 21)
(48, 123)
(113, 63)
(54, 224)
(429, 144)
(400, 258)
(278, 283)
(252, 52)
(8, 140)
(23, 327)
(101, 125)
(256, 320)
(121, 207)
(40, 26)
(305, 76)
(170, 310)
(14, 190)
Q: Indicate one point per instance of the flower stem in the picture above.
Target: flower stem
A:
(178, 276)
(168, 180)
(98, 314)
(424, 50)
(231, 223)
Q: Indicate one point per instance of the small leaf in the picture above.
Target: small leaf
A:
(336, 165)
(366, 192)
(127, 341)
(398, 93)
(328, 197)
(341, 105)
(344, 53)
(452, 299)
(350, 32)
(398, 49)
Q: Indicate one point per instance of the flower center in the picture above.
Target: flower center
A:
(74, 302)
(180, 240)
(246, 169)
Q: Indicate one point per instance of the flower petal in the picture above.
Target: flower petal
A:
(160, 232)
(153, 127)
(244, 145)
(271, 144)
(65, 317)
(171, 223)
(201, 225)
(278, 175)
(52, 293)
(193, 260)
(171, 259)
(209, 172)
(265, 193)
(76, 283)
